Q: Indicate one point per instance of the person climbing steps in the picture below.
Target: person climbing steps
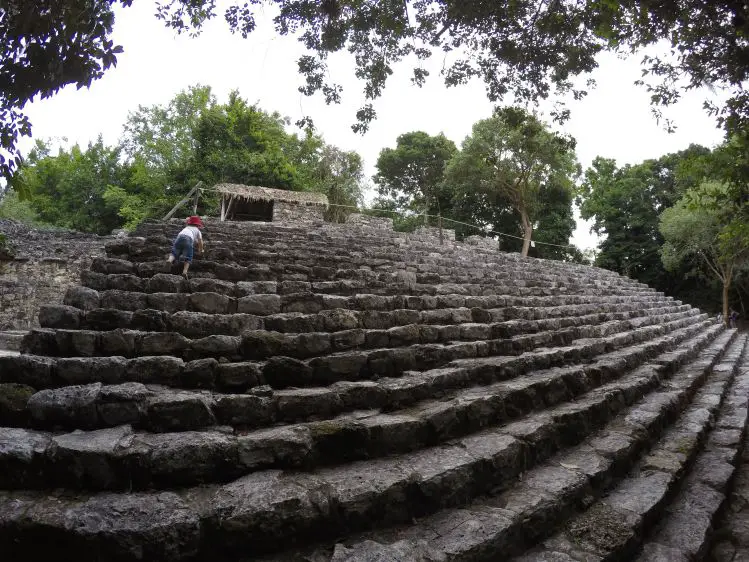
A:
(185, 242)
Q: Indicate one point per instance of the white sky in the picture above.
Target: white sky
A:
(613, 121)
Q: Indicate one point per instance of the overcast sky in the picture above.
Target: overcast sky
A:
(613, 121)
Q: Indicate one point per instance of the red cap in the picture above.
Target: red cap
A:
(195, 221)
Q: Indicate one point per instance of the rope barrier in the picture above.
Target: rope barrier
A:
(477, 227)
(482, 229)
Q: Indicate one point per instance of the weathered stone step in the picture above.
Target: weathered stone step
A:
(260, 314)
(729, 540)
(140, 277)
(372, 254)
(333, 246)
(504, 523)
(268, 510)
(314, 272)
(10, 340)
(162, 409)
(678, 482)
(287, 240)
(40, 372)
(170, 292)
(351, 249)
(689, 521)
(49, 372)
(404, 349)
(168, 284)
(118, 458)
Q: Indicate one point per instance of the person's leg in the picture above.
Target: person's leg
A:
(174, 254)
(188, 253)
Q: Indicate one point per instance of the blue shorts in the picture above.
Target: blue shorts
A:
(182, 249)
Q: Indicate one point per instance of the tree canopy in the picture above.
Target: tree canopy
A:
(714, 237)
(164, 151)
(625, 203)
(513, 161)
(411, 174)
(527, 48)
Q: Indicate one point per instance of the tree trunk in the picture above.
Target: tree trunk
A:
(527, 232)
(726, 286)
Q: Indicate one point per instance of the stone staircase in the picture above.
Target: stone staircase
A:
(348, 393)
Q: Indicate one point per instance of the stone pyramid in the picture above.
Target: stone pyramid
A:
(348, 393)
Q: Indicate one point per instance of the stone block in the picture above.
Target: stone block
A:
(177, 411)
(124, 300)
(126, 282)
(59, 316)
(118, 342)
(338, 319)
(168, 302)
(238, 377)
(200, 373)
(155, 370)
(210, 303)
(70, 406)
(111, 265)
(93, 280)
(13, 411)
(245, 288)
(217, 346)
(82, 298)
(260, 305)
(22, 456)
(262, 344)
(27, 369)
(150, 320)
(305, 403)
(108, 319)
(123, 404)
(90, 458)
(281, 372)
(86, 370)
(164, 283)
(244, 410)
(212, 286)
(160, 343)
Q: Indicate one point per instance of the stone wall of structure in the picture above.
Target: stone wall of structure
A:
(44, 265)
(482, 242)
(382, 223)
(429, 233)
(284, 211)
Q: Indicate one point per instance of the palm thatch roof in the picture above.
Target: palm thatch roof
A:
(255, 193)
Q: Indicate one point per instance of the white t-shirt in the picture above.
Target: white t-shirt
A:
(193, 232)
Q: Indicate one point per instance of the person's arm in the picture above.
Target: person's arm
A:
(200, 242)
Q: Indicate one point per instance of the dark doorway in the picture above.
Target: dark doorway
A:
(247, 210)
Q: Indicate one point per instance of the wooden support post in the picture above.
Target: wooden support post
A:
(223, 208)
(229, 206)
(440, 225)
(184, 201)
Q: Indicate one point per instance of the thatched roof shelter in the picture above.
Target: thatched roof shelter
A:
(255, 193)
(248, 202)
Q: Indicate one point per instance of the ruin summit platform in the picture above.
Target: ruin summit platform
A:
(348, 393)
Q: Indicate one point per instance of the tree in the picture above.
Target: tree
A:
(715, 238)
(625, 204)
(12, 207)
(526, 48)
(411, 174)
(509, 161)
(163, 137)
(45, 45)
(338, 176)
(68, 189)
(239, 143)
